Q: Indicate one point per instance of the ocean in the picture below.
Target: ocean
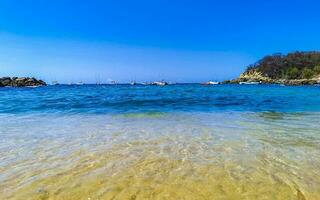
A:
(183, 141)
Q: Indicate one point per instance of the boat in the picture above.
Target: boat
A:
(159, 83)
(211, 83)
(250, 83)
(55, 83)
(80, 83)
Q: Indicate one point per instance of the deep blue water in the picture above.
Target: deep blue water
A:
(174, 98)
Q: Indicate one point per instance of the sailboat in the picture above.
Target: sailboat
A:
(55, 83)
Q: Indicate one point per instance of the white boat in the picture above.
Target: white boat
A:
(211, 83)
(250, 83)
(80, 83)
(159, 83)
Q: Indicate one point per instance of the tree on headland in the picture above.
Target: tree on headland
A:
(317, 69)
(292, 73)
(296, 65)
(307, 73)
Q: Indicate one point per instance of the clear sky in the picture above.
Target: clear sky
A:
(184, 41)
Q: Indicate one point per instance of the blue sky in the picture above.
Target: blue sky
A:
(185, 41)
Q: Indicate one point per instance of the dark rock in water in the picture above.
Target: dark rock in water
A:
(5, 81)
(20, 82)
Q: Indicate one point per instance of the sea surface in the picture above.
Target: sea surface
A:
(179, 142)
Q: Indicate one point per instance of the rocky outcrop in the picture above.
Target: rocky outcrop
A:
(255, 76)
(296, 68)
(20, 82)
(298, 81)
(250, 76)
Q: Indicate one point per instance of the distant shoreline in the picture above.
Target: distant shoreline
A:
(32, 82)
(169, 85)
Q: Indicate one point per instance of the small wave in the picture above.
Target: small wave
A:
(142, 115)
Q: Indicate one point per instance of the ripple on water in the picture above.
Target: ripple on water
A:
(160, 156)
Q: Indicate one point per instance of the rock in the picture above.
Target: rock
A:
(299, 82)
(20, 82)
(5, 81)
(255, 76)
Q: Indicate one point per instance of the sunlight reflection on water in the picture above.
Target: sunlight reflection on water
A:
(234, 155)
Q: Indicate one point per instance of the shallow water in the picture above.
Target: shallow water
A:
(175, 142)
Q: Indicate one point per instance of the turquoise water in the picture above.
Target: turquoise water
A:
(179, 98)
(147, 142)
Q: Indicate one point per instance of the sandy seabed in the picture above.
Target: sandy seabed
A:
(160, 156)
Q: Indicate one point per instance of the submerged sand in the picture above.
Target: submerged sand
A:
(162, 156)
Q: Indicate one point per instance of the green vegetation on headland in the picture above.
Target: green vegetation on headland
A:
(297, 68)
(20, 82)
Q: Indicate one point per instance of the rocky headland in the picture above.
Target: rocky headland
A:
(20, 82)
(298, 68)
